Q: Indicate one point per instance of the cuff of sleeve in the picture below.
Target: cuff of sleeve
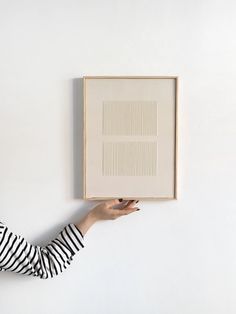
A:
(75, 236)
(79, 231)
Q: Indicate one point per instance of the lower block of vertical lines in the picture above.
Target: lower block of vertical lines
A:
(129, 158)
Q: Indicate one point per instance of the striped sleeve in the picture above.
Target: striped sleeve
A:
(19, 256)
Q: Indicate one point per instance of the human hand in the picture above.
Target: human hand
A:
(106, 210)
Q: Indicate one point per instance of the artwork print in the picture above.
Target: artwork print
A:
(130, 137)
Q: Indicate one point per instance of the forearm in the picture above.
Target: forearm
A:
(18, 255)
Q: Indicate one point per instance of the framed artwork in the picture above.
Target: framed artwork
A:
(130, 137)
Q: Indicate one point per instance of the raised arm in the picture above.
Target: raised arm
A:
(19, 256)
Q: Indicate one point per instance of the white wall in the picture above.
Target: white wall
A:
(170, 257)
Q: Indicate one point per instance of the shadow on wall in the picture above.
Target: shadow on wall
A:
(77, 164)
(78, 123)
(8, 278)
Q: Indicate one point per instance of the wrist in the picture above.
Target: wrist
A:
(85, 223)
(92, 218)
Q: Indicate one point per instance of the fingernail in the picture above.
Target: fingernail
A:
(120, 199)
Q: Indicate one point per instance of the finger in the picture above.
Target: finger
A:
(121, 212)
(129, 211)
(113, 202)
(131, 203)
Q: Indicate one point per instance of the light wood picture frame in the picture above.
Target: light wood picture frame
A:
(130, 137)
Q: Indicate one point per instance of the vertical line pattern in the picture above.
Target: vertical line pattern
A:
(129, 158)
(129, 118)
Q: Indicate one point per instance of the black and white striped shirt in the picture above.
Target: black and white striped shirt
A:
(19, 256)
